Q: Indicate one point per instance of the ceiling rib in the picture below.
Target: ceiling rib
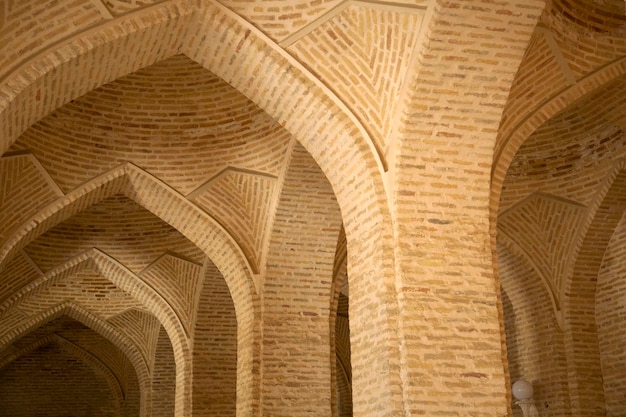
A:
(396, 7)
(102, 8)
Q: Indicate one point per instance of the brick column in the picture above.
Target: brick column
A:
(215, 350)
(452, 352)
(164, 378)
(296, 356)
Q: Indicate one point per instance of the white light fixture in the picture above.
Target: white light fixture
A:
(523, 392)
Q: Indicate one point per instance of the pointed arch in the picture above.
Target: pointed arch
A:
(584, 388)
(175, 210)
(121, 277)
(579, 312)
(508, 143)
(80, 353)
(282, 87)
(162, 201)
(104, 329)
(278, 84)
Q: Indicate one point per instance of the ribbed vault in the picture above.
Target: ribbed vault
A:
(558, 189)
(159, 159)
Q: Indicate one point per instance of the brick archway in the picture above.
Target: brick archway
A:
(141, 187)
(103, 328)
(305, 107)
(128, 282)
(529, 114)
(84, 356)
(508, 144)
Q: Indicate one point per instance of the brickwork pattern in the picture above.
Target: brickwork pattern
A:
(541, 359)
(87, 347)
(32, 26)
(297, 293)
(215, 349)
(560, 136)
(26, 188)
(610, 307)
(448, 129)
(584, 356)
(164, 379)
(176, 176)
(583, 60)
(575, 157)
(354, 49)
(37, 375)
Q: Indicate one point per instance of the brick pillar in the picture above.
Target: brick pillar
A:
(215, 350)
(452, 352)
(296, 356)
(164, 378)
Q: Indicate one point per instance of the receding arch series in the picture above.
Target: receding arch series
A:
(257, 68)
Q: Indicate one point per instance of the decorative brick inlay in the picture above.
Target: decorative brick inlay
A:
(369, 47)
(547, 230)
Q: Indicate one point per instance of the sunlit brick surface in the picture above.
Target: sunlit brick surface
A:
(31, 26)
(562, 140)
(311, 208)
(369, 48)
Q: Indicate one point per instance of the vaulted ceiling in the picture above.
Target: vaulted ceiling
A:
(73, 206)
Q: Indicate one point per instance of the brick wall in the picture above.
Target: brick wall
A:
(215, 349)
(534, 340)
(610, 307)
(164, 378)
(280, 125)
(52, 382)
(297, 294)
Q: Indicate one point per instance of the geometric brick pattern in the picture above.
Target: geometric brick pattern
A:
(179, 281)
(16, 274)
(26, 188)
(141, 328)
(240, 201)
(84, 287)
(305, 207)
(359, 52)
(109, 234)
(155, 118)
(541, 225)
(563, 138)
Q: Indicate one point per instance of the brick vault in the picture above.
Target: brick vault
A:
(312, 208)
